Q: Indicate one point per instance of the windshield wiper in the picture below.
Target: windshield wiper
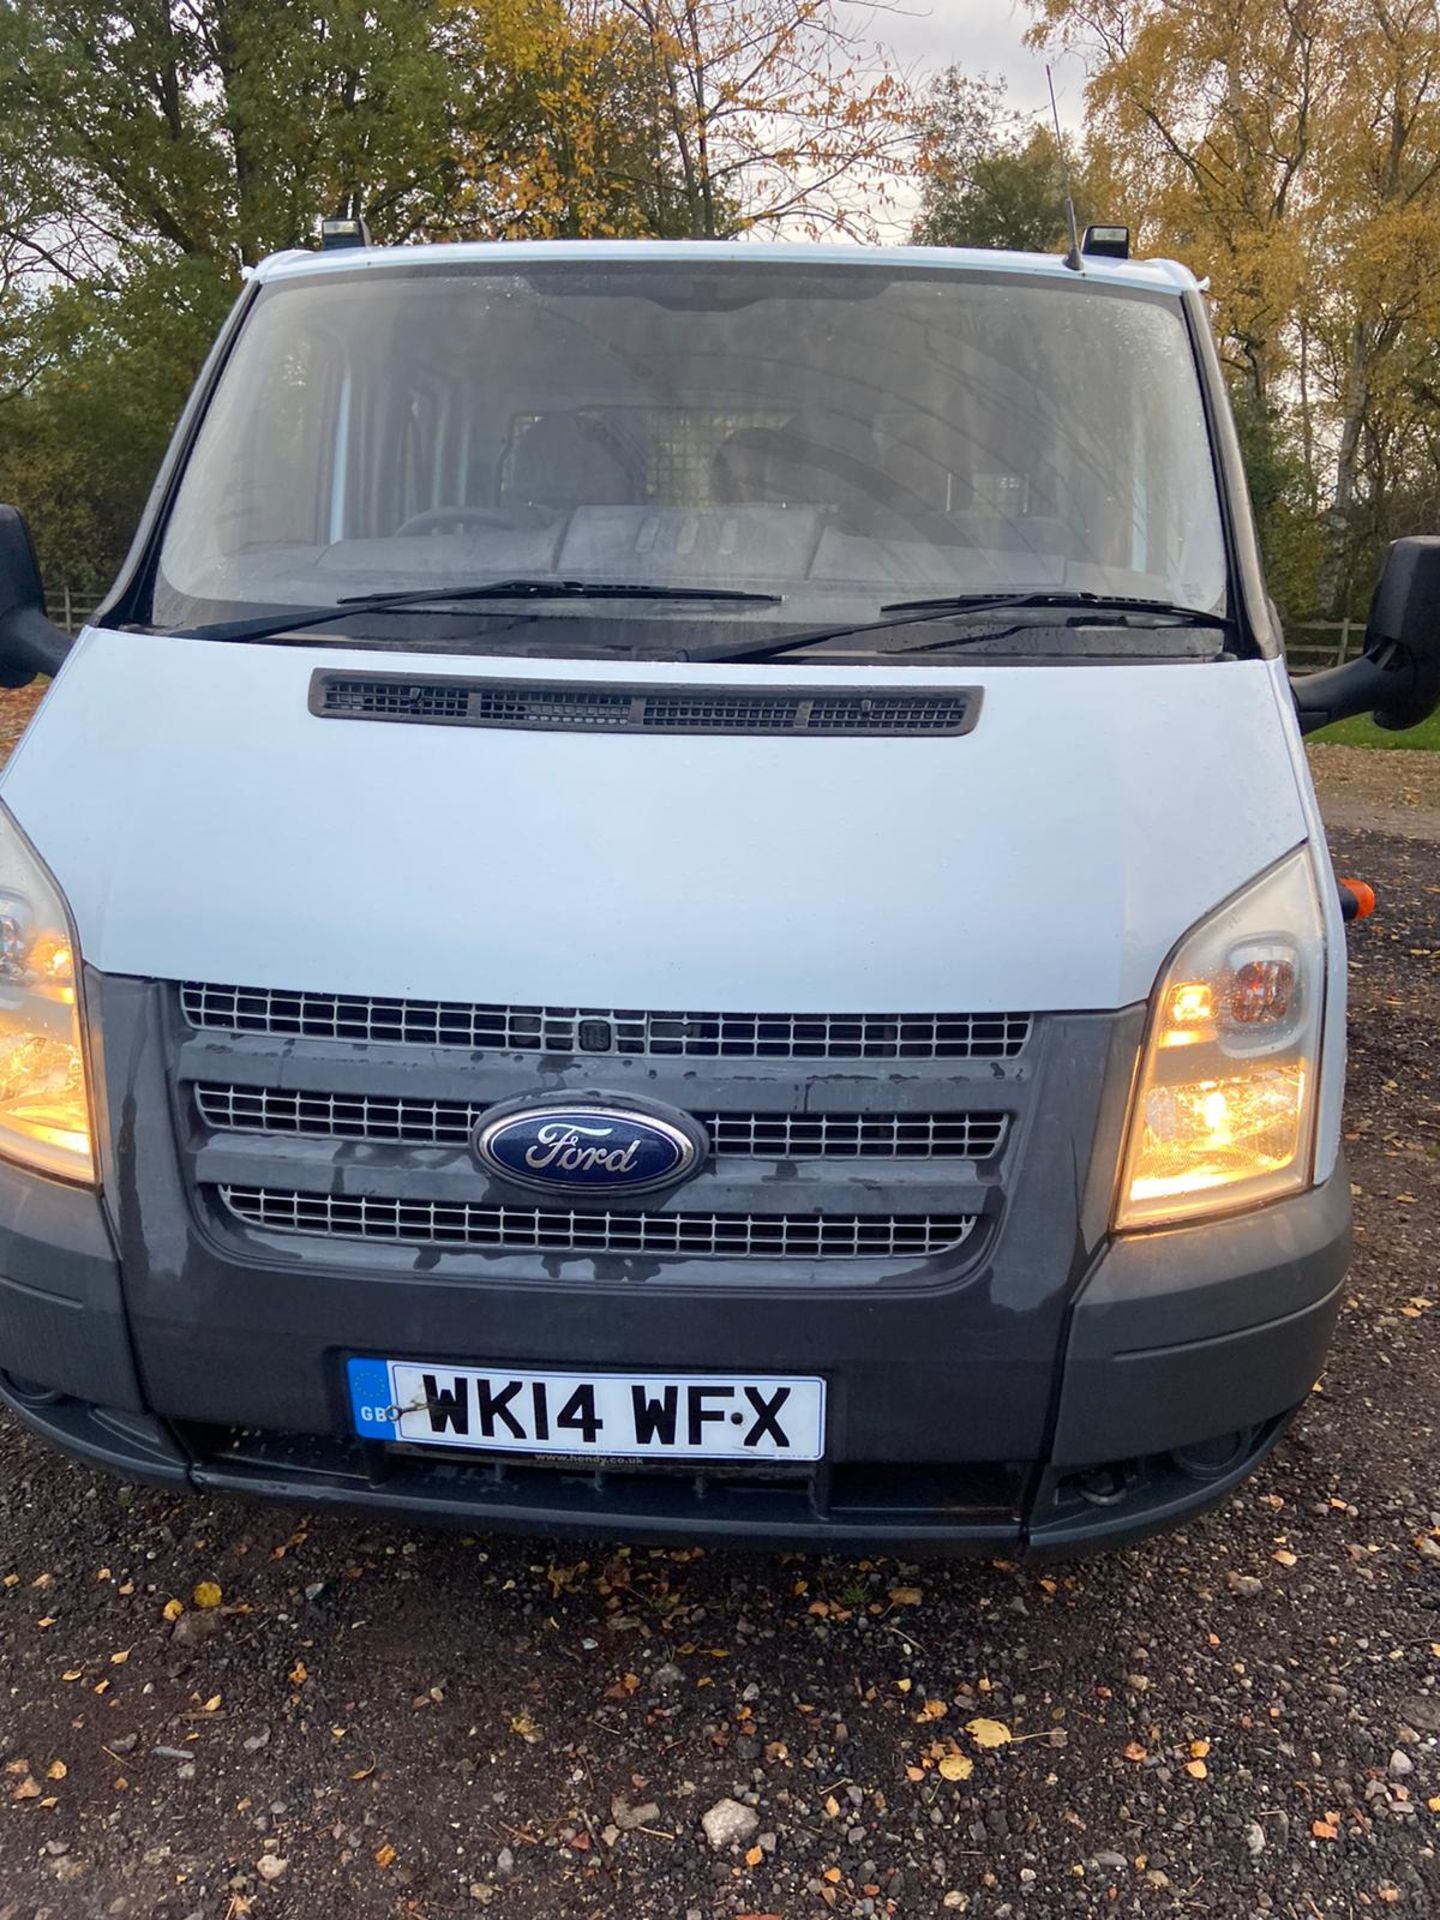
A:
(517, 589)
(1056, 597)
(907, 613)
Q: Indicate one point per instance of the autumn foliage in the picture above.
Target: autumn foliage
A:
(1290, 150)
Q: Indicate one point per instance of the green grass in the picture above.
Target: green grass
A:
(1364, 733)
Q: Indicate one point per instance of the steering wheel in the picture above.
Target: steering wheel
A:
(434, 519)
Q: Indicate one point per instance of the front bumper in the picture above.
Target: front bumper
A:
(1182, 1356)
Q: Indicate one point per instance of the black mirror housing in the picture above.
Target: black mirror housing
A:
(1397, 678)
(29, 643)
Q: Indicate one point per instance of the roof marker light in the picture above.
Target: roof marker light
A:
(335, 234)
(1111, 243)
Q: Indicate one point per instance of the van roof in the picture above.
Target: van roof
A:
(1158, 276)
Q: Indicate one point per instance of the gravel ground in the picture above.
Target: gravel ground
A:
(1370, 790)
(212, 1711)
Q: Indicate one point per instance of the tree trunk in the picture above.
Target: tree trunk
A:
(1339, 522)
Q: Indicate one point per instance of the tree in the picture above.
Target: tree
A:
(80, 445)
(990, 177)
(1374, 311)
(561, 137)
(147, 152)
(1290, 149)
(226, 128)
(1203, 115)
(773, 114)
(151, 149)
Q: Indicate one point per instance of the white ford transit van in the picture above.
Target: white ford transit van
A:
(678, 895)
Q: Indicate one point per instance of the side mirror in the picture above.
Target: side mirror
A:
(1397, 678)
(29, 644)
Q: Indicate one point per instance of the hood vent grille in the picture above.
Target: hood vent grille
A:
(576, 707)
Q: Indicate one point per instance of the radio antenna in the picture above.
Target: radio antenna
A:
(1073, 259)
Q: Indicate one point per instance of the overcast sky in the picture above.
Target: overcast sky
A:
(979, 36)
(982, 36)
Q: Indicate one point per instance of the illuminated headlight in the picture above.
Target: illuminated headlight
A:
(44, 1093)
(1224, 1107)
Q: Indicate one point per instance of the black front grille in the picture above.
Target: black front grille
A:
(568, 1030)
(574, 706)
(406, 1120)
(948, 1497)
(741, 1236)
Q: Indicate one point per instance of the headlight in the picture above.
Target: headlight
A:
(1224, 1107)
(44, 1095)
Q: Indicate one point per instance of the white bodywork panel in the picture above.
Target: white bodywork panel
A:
(204, 824)
(1166, 276)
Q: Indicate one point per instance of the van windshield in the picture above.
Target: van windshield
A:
(841, 436)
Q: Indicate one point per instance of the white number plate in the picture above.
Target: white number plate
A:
(677, 1416)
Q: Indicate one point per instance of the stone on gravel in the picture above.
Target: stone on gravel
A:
(1245, 1584)
(1255, 1838)
(728, 1824)
(628, 1818)
(505, 1861)
(271, 1867)
(193, 1628)
(1400, 1764)
(1423, 1713)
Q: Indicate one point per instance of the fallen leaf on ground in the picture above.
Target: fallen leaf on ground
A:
(989, 1733)
(1326, 1829)
(1197, 1769)
(57, 1770)
(933, 1710)
(956, 1766)
(1136, 1752)
(298, 1674)
(906, 1596)
(1199, 1749)
(384, 1856)
(207, 1596)
(172, 1610)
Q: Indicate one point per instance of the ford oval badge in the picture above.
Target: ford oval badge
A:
(586, 1150)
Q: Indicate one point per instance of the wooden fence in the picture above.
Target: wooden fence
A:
(71, 607)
